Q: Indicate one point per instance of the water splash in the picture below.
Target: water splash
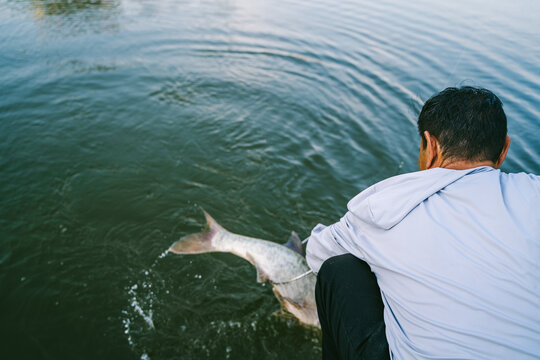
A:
(135, 305)
(141, 298)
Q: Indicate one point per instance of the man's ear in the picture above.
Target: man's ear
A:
(433, 151)
(503, 152)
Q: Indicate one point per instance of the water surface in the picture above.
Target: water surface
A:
(119, 118)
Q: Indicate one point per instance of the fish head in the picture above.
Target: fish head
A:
(298, 298)
(306, 313)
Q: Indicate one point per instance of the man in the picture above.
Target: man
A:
(455, 249)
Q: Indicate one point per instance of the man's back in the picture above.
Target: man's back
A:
(456, 258)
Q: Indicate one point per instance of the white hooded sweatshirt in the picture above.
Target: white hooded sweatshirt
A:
(456, 254)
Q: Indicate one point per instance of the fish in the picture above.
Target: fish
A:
(284, 266)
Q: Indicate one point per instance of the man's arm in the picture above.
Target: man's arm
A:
(328, 241)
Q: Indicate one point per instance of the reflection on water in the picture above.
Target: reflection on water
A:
(67, 7)
(70, 17)
(119, 118)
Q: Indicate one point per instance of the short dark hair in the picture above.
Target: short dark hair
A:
(469, 123)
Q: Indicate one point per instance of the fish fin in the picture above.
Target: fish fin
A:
(293, 303)
(284, 300)
(294, 243)
(261, 275)
(211, 223)
(200, 242)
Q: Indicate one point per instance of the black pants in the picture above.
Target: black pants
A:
(350, 310)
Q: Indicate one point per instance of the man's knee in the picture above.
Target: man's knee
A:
(346, 276)
(337, 273)
(342, 265)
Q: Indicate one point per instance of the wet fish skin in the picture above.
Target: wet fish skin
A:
(292, 281)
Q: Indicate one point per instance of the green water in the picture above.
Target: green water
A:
(120, 118)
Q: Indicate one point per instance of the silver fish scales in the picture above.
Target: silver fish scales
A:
(282, 265)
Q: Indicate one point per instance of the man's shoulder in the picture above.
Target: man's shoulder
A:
(387, 202)
(522, 177)
(523, 183)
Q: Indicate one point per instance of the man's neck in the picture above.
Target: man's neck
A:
(465, 164)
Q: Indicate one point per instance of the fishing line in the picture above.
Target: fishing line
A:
(293, 279)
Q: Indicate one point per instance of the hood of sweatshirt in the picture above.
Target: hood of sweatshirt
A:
(386, 203)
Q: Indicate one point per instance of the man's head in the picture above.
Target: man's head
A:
(465, 126)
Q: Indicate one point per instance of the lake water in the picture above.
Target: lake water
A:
(119, 119)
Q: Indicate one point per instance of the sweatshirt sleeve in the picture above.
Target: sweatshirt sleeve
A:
(328, 241)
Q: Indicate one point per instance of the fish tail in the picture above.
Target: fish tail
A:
(200, 242)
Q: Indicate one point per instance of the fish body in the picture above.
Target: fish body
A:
(292, 281)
